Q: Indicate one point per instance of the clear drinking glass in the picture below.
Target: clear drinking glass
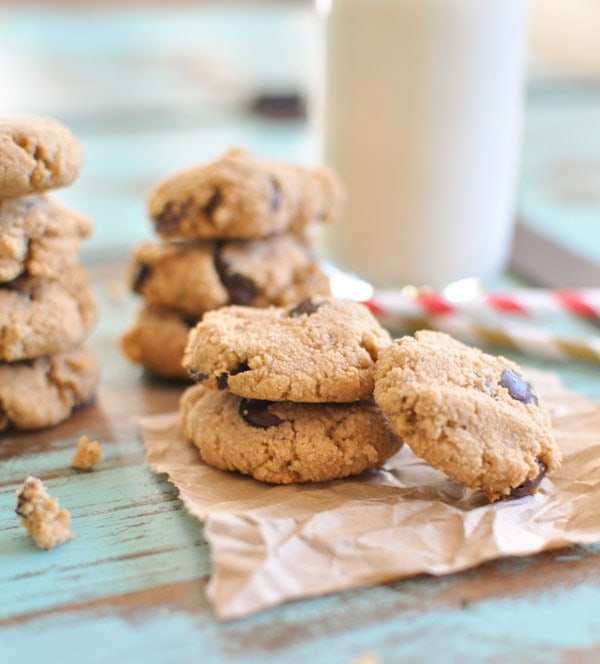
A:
(419, 113)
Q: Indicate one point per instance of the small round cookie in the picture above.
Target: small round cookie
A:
(39, 236)
(157, 340)
(36, 154)
(321, 350)
(43, 392)
(240, 197)
(283, 442)
(469, 414)
(45, 316)
(195, 277)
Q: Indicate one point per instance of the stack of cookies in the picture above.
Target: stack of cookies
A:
(285, 394)
(47, 308)
(233, 232)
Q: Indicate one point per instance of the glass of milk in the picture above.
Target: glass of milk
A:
(419, 114)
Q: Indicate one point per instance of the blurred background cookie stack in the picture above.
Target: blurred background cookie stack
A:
(234, 231)
(47, 308)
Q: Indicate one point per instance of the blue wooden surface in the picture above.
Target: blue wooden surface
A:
(150, 91)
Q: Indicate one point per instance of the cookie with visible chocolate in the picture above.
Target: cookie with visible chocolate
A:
(322, 350)
(156, 341)
(467, 413)
(283, 442)
(195, 277)
(39, 236)
(43, 392)
(45, 316)
(241, 197)
(36, 155)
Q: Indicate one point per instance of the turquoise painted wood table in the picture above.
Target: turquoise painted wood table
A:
(150, 92)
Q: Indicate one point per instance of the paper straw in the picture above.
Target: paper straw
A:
(527, 339)
(584, 303)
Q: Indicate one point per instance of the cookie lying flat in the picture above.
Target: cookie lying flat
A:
(44, 316)
(319, 351)
(43, 392)
(198, 276)
(241, 197)
(469, 414)
(36, 154)
(157, 340)
(286, 442)
(39, 236)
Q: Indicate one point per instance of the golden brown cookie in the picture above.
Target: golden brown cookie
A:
(322, 350)
(282, 442)
(156, 340)
(40, 393)
(469, 414)
(241, 197)
(45, 316)
(195, 277)
(39, 236)
(36, 154)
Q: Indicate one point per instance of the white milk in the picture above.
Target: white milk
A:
(420, 117)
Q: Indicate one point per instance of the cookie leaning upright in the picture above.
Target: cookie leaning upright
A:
(37, 154)
(469, 414)
(241, 197)
(47, 308)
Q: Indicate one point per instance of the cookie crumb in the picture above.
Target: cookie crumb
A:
(87, 454)
(40, 515)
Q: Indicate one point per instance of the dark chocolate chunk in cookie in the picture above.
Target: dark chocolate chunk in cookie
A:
(141, 275)
(223, 378)
(240, 288)
(530, 486)
(307, 306)
(518, 387)
(171, 215)
(256, 413)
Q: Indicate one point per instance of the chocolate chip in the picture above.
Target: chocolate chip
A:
(197, 376)
(213, 203)
(167, 221)
(518, 387)
(529, 486)
(240, 288)
(142, 273)
(256, 413)
(224, 377)
(307, 306)
(275, 197)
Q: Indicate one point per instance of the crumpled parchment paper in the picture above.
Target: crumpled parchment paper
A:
(271, 544)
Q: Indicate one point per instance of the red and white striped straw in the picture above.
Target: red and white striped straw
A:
(515, 336)
(529, 302)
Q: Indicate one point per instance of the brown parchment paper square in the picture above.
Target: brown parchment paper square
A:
(271, 544)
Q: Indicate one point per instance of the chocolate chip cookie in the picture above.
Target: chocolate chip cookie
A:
(44, 316)
(322, 350)
(195, 277)
(282, 442)
(241, 197)
(43, 392)
(36, 154)
(39, 236)
(469, 414)
(156, 340)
